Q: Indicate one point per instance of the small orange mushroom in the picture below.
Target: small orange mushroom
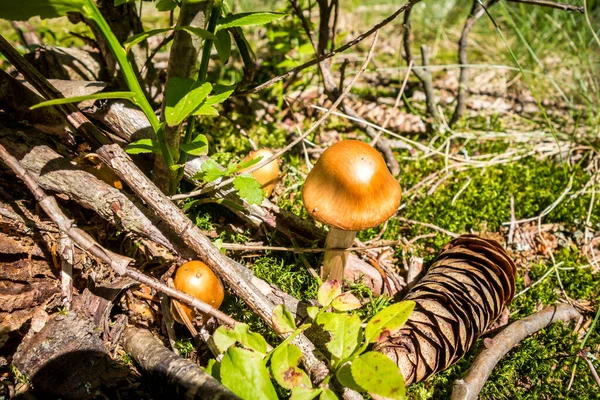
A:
(268, 175)
(197, 279)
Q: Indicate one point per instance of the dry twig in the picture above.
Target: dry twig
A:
(469, 387)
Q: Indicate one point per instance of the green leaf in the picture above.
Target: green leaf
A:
(225, 338)
(378, 375)
(79, 99)
(220, 94)
(244, 373)
(166, 5)
(206, 109)
(312, 311)
(388, 321)
(346, 302)
(121, 2)
(140, 37)
(197, 147)
(248, 163)
(213, 368)
(143, 146)
(283, 320)
(303, 393)
(328, 291)
(344, 377)
(19, 11)
(345, 333)
(284, 366)
(223, 45)
(210, 170)
(247, 19)
(184, 96)
(328, 395)
(248, 189)
(201, 33)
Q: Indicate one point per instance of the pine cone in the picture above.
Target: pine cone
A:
(464, 291)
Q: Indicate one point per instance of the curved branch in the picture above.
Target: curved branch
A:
(469, 387)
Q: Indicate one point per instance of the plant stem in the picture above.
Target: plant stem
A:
(92, 12)
(215, 12)
(335, 260)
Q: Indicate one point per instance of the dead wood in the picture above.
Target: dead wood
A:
(65, 359)
(27, 34)
(56, 173)
(469, 387)
(75, 118)
(186, 377)
(224, 267)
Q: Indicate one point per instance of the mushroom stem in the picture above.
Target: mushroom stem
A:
(335, 260)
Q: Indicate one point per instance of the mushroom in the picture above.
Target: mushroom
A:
(349, 189)
(267, 175)
(197, 279)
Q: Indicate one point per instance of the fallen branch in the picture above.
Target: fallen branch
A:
(469, 387)
(224, 267)
(117, 262)
(551, 4)
(188, 378)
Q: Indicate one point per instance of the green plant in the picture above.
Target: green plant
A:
(186, 98)
(247, 365)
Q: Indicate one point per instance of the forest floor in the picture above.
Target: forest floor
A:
(522, 166)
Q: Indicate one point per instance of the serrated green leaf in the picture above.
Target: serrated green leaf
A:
(346, 302)
(284, 367)
(388, 320)
(328, 291)
(143, 146)
(184, 96)
(344, 377)
(248, 19)
(19, 11)
(223, 45)
(210, 170)
(248, 189)
(312, 311)
(79, 99)
(244, 373)
(378, 375)
(345, 331)
(328, 394)
(303, 393)
(283, 320)
(197, 147)
(166, 5)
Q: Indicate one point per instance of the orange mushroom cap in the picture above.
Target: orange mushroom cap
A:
(351, 188)
(197, 279)
(267, 175)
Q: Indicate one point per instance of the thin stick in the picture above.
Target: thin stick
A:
(242, 247)
(67, 253)
(310, 130)
(116, 261)
(469, 387)
(431, 226)
(550, 4)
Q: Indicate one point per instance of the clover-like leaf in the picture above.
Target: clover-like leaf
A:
(284, 366)
(346, 302)
(378, 375)
(244, 373)
(388, 320)
(283, 320)
(345, 331)
(328, 291)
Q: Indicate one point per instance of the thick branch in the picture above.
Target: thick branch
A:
(189, 379)
(469, 387)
